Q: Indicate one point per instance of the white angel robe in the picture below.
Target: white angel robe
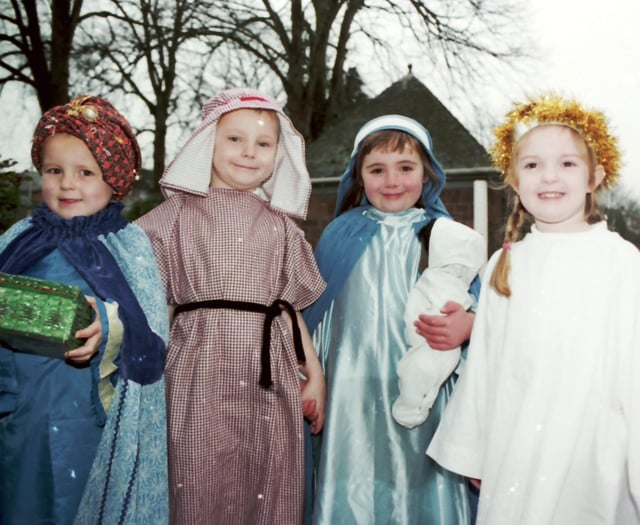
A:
(547, 408)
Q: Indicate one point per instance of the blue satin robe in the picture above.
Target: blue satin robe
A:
(371, 469)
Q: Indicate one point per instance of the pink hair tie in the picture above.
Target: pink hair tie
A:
(506, 246)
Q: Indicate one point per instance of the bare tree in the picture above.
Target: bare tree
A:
(306, 45)
(148, 50)
(151, 50)
(170, 53)
(37, 42)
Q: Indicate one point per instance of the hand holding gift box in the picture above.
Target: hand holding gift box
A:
(91, 336)
(42, 317)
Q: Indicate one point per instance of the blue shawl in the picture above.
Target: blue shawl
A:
(142, 352)
(127, 484)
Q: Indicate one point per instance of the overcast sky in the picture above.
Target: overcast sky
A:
(589, 49)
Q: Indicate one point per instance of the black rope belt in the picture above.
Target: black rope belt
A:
(271, 312)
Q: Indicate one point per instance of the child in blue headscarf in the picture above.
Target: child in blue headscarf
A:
(371, 469)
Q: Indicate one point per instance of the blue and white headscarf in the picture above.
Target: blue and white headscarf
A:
(430, 194)
(344, 240)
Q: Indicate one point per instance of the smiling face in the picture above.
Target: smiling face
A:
(393, 179)
(553, 173)
(245, 149)
(72, 183)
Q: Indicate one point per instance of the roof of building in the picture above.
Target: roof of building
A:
(453, 145)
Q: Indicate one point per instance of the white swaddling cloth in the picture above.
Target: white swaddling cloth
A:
(456, 253)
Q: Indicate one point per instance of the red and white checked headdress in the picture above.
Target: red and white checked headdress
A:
(289, 187)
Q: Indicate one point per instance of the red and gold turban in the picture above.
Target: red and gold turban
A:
(106, 133)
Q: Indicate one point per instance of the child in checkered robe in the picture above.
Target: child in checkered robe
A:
(237, 270)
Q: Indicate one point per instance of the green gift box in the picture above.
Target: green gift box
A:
(41, 317)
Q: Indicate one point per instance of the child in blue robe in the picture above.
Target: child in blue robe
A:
(370, 468)
(82, 438)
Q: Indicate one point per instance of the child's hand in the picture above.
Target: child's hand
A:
(313, 402)
(309, 408)
(475, 482)
(314, 390)
(447, 331)
(93, 336)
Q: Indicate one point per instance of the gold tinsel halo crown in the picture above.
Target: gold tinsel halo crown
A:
(553, 109)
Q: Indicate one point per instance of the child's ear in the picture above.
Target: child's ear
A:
(598, 176)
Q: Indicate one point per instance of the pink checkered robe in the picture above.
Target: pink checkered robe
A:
(235, 448)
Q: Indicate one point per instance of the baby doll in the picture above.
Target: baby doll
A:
(456, 253)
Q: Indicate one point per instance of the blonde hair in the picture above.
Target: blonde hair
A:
(590, 126)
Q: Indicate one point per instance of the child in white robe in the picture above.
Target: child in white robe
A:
(546, 412)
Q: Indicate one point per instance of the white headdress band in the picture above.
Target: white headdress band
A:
(393, 122)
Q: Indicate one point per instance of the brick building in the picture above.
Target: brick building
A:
(470, 176)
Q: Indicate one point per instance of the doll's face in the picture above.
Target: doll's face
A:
(553, 174)
(245, 149)
(72, 183)
(393, 180)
